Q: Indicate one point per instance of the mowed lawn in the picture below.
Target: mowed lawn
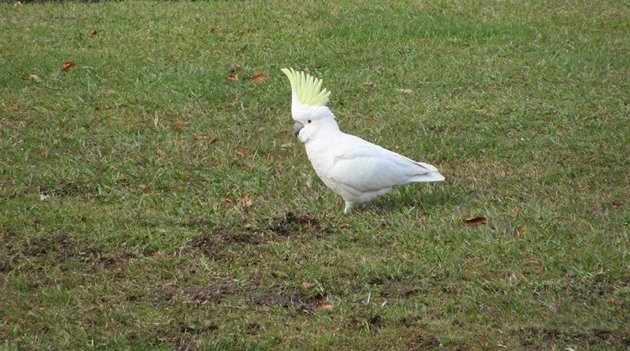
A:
(152, 196)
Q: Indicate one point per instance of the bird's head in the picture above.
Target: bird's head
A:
(308, 104)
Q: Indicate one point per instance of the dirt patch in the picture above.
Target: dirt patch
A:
(414, 289)
(67, 189)
(205, 294)
(292, 224)
(600, 285)
(61, 248)
(288, 298)
(60, 243)
(277, 299)
(528, 336)
(211, 244)
(253, 328)
(114, 261)
(423, 341)
(372, 322)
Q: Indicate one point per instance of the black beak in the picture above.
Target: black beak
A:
(297, 127)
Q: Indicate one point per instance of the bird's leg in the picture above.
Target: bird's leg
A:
(348, 207)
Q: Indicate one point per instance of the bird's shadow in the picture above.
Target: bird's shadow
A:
(406, 197)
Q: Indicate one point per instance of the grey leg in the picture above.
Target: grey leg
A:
(348, 207)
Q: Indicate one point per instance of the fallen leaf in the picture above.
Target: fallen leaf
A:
(247, 201)
(233, 78)
(43, 197)
(35, 77)
(325, 307)
(476, 220)
(93, 32)
(214, 141)
(181, 125)
(258, 77)
(228, 201)
(344, 226)
(145, 188)
(66, 66)
(286, 145)
(213, 29)
(406, 91)
(307, 285)
(615, 302)
(521, 231)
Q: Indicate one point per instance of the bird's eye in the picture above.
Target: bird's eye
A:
(309, 121)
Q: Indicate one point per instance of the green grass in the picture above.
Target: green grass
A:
(146, 202)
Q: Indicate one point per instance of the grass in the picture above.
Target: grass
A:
(147, 202)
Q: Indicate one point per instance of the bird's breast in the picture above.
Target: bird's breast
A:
(321, 158)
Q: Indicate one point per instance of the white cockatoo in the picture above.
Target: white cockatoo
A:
(357, 170)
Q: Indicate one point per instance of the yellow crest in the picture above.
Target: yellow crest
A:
(307, 88)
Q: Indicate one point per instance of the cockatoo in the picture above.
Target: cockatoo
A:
(357, 170)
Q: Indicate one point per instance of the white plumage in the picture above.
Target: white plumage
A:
(357, 170)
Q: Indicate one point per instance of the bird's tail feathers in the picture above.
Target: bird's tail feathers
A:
(427, 166)
(428, 177)
(430, 174)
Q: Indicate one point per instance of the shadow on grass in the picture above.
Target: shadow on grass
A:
(405, 197)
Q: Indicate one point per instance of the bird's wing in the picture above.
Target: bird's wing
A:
(366, 167)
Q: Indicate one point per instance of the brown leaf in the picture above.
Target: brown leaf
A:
(476, 220)
(145, 188)
(258, 77)
(66, 66)
(307, 285)
(213, 29)
(214, 141)
(325, 306)
(247, 201)
(93, 33)
(228, 201)
(233, 78)
(615, 302)
(181, 125)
